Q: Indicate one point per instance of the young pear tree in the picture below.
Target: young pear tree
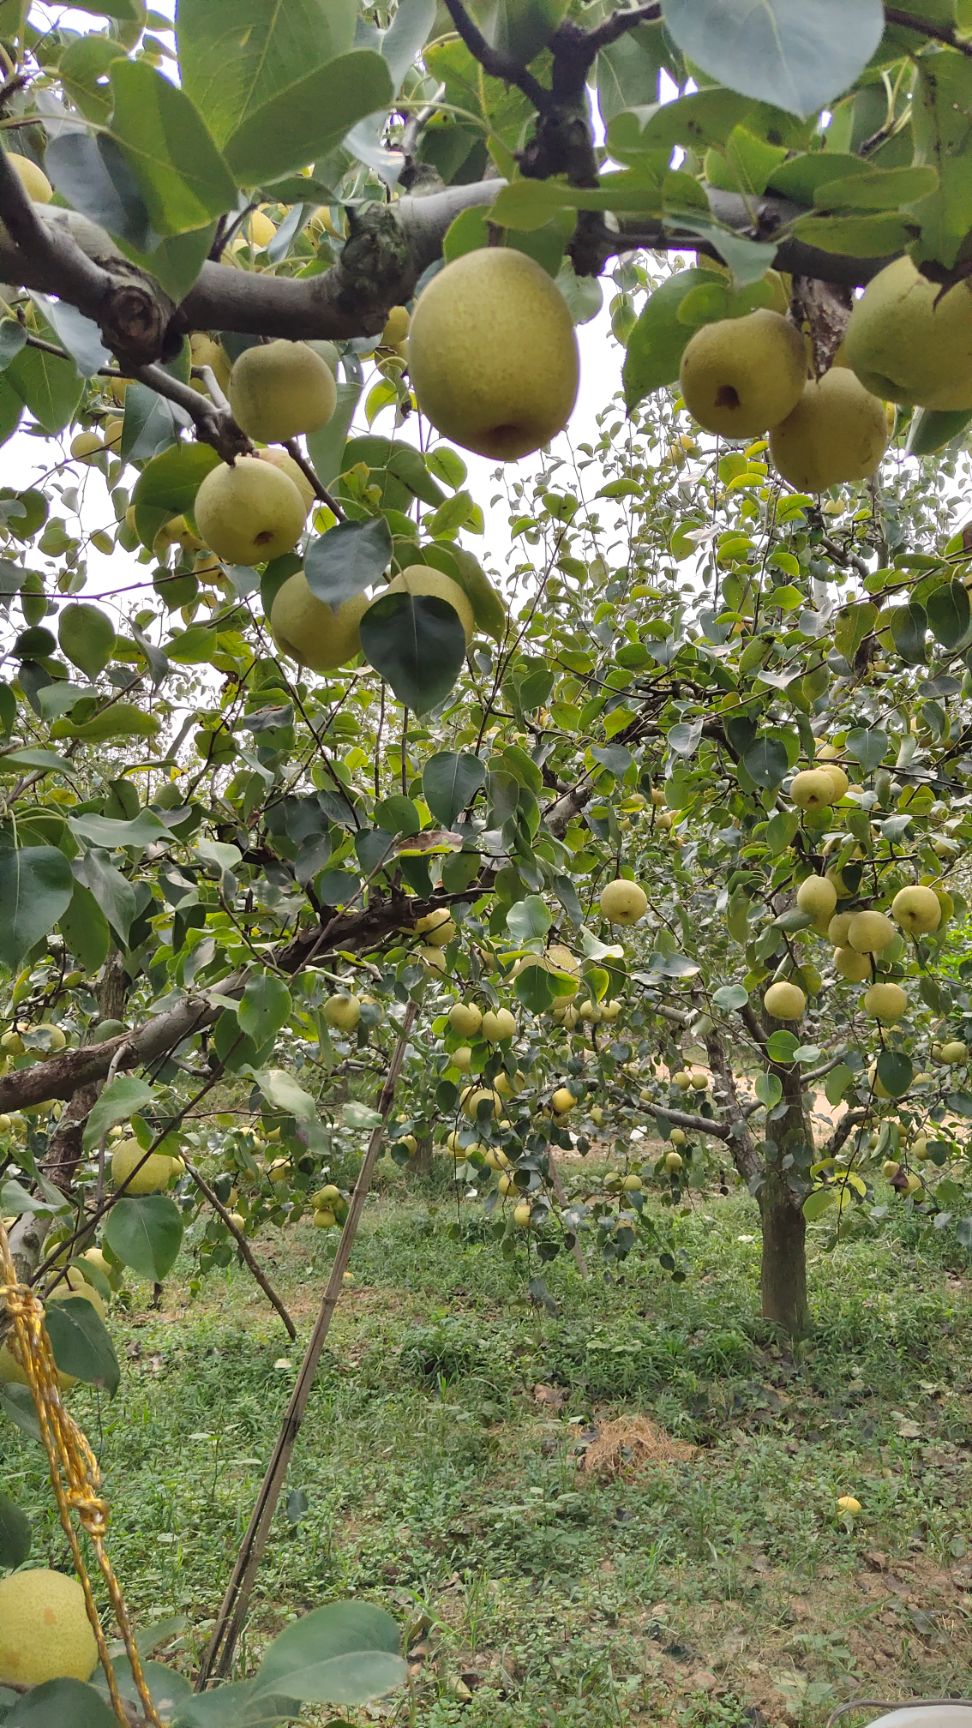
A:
(289, 778)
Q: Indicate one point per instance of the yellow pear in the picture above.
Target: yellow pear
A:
(870, 932)
(851, 965)
(498, 1026)
(204, 350)
(742, 375)
(885, 1001)
(44, 1629)
(438, 927)
(465, 1018)
(85, 446)
(563, 1100)
(910, 342)
(492, 354)
(812, 789)
(838, 779)
(33, 179)
(419, 579)
(342, 1011)
(279, 389)
(953, 1051)
(249, 512)
(283, 460)
(817, 896)
(917, 910)
(259, 229)
(312, 632)
(623, 902)
(785, 1001)
(152, 1173)
(837, 433)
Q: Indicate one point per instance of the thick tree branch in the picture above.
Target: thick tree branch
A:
(842, 1132)
(696, 1124)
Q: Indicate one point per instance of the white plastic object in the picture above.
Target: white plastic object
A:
(926, 1716)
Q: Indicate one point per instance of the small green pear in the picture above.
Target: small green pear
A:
(909, 341)
(836, 434)
(312, 632)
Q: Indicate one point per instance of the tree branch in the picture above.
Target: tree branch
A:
(493, 61)
(243, 1246)
(619, 23)
(214, 425)
(842, 1132)
(696, 1124)
(927, 27)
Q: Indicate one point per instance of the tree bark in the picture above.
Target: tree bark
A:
(783, 1274)
(783, 1271)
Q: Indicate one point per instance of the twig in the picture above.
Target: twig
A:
(493, 61)
(243, 1245)
(232, 1613)
(294, 450)
(927, 27)
(619, 23)
(214, 425)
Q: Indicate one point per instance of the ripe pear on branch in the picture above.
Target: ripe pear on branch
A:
(742, 375)
(492, 354)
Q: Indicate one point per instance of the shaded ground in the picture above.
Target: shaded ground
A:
(622, 1513)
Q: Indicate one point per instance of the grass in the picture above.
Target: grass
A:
(439, 1470)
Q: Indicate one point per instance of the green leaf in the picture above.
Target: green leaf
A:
(908, 625)
(326, 447)
(345, 1653)
(238, 1705)
(123, 1097)
(265, 1007)
(949, 613)
(768, 1089)
(730, 996)
(876, 189)
(867, 745)
(942, 131)
(14, 1533)
(85, 930)
(860, 236)
(895, 1071)
(167, 486)
(853, 624)
(803, 55)
(36, 886)
(528, 919)
(817, 1203)
(181, 175)
(145, 1232)
(782, 1045)
(449, 781)
(932, 428)
(117, 720)
(112, 891)
(80, 1342)
(17, 1404)
(87, 636)
(233, 60)
(766, 762)
(657, 340)
(142, 830)
(281, 1090)
(347, 559)
(50, 388)
(309, 118)
(416, 643)
(13, 337)
(837, 1082)
(59, 1702)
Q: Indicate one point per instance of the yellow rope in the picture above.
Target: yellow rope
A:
(75, 1476)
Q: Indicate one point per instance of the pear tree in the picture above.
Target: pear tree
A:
(615, 794)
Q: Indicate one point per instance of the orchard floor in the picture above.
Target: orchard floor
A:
(701, 1579)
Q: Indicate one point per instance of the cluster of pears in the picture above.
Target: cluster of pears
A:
(859, 936)
(742, 377)
(492, 354)
(324, 637)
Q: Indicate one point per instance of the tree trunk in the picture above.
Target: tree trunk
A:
(783, 1272)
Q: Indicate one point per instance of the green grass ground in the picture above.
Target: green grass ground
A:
(442, 1466)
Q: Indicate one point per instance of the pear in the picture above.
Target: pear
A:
(837, 433)
(279, 389)
(817, 896)
(812, 789)
(312, 632)
(33, 179)
(623, 902)
(492, 354)
(869, 932)
(917, 910)
(851, 965)
(283, 460)
(910, 342)
(885, 1001)
(785, 1001)
(249, 512)
(742, 375)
